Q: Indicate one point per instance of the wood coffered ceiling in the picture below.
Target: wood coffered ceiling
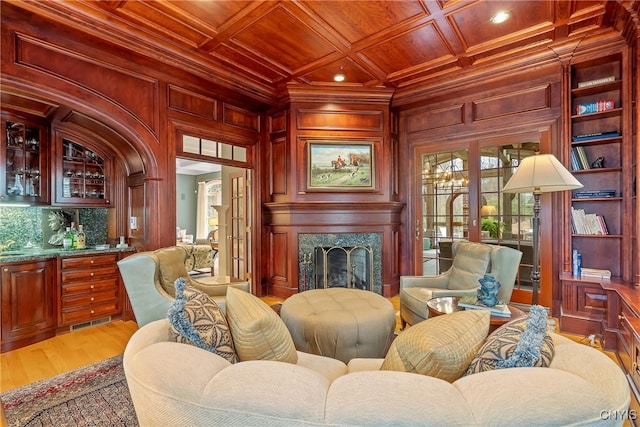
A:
(258, 47)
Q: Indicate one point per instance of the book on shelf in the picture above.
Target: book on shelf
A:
(594, 194)
(587, 223)
(579, 160)
(596, 135)
(596, 273)
(472, 302)
(595, 107)
(599, 81)
(575, 162)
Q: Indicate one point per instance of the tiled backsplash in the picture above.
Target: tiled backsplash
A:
(34, 224)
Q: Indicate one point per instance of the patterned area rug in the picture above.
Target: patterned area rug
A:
(94, 395)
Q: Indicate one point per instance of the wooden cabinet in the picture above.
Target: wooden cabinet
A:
(628, 348)
(27, 298)
(83, 172)
(24, 158)
(584, 307)
(89, 289)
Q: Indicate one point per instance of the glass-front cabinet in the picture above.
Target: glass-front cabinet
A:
(24, 159)
(83, 173)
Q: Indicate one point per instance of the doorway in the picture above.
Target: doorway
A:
(460, 196)
(212, 204)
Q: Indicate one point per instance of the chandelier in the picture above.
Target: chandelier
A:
(445, 177)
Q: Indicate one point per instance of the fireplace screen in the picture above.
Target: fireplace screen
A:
(344, 267)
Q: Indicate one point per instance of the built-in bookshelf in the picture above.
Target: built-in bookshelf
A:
(596, 152)
(600, 158)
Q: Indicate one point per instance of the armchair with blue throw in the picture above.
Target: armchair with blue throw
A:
(471, 261)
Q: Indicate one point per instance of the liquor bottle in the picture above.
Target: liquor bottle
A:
(73, 235)
(67, 240)
(81, 238)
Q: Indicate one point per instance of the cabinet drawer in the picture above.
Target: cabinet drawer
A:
(625, 331)
(87, 300)
(73, 316)
(88, 261)
(89, 286)
(89, 273)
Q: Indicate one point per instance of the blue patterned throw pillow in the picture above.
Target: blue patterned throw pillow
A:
(521, 342)
(197, 320)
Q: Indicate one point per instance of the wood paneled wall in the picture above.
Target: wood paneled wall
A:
(130, 103)
(292, 207)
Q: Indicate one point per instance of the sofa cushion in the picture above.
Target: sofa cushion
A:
(258, 332)
(516, 343)
(171, 267)
(469, 265)
(196, 319)
(441, 347)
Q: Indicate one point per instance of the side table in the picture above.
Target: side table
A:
(446, 305)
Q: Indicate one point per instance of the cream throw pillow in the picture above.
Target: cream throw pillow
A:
(441, 346)
(258, 332)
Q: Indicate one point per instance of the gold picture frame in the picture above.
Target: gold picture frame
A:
(341, 165)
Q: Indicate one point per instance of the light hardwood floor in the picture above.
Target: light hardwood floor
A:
(83, 347)
(63, 353)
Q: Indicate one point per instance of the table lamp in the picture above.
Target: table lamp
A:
(537, 174)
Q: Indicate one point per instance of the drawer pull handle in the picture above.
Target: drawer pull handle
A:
(92, 298)
(6, 270)
(92, 286)
(92, 311)
(92, 261)
(91, 275)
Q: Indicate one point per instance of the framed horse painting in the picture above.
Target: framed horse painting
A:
(346, 165)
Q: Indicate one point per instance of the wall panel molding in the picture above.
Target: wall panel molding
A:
(372, 121)
(521, 101)
(135, 93)
(192, 103)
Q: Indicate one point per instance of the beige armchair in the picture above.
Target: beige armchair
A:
(470, 262)
(149, 277)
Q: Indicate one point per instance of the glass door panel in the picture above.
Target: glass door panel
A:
(445, 206)
(505, 218)
(461, 199)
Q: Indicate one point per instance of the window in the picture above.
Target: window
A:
(212, 149)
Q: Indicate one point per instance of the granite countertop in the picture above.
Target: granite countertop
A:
(37, 254)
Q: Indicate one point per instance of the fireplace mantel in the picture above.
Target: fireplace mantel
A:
(332, 213)
(286, 222)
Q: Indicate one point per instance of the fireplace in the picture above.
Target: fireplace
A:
(350, 260)
(343, 267)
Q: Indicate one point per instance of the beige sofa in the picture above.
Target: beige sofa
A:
(181, 385)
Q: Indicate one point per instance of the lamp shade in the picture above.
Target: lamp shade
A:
(488, 210)
(213, 221)
(541, 173)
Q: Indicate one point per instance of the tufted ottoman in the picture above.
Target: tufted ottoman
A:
(340, 323)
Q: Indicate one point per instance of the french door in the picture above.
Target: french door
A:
(239, 228)
(459, 197)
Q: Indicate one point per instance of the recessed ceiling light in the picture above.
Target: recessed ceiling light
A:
(339, 77)
(500, 17)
